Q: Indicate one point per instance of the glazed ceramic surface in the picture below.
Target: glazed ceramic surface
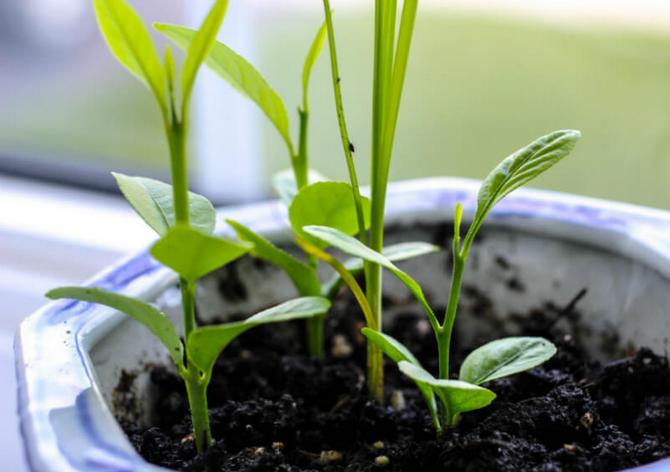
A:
(535, 247)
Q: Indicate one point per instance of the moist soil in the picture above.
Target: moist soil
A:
(275, 409)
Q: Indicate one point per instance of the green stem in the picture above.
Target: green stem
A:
(188, 304)
(300, 167)
(196, 389)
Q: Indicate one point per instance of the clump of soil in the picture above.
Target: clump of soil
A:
(275, 409)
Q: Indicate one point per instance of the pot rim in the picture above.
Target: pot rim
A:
(67, 426)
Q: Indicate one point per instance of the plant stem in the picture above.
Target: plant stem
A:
(300, 167)
(188, 304)
(196, 389)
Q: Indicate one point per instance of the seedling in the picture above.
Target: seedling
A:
(494, 360)
(312, 200)
(184, 221)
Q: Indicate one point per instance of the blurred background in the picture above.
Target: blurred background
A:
(486, 77)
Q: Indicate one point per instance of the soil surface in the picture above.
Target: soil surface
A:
(275, 409)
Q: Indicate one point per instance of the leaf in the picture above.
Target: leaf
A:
(152, 200)
(312, 56)
(354, 247)
(456, 396)
(130, 42)
(200, 46)
(522, 167)
(397, 352)
(284, 185)
(240, 74)
(155, 320)
(304, 277)
(193, 254)
(206, 344)
(326, 204)
(504, 357)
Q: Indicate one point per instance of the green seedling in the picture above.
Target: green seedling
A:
(183, 220)
(391, 57)
(493, 360)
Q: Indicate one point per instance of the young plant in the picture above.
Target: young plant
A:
(494, 360)
(183, 220)
(390, 65)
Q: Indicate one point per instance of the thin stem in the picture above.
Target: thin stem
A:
(188, 304)
(196, 390)
(344, 134)
(300, 166)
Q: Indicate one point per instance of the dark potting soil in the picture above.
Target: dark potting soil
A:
(275, 409)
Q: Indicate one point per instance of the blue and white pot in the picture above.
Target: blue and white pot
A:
(70, 355)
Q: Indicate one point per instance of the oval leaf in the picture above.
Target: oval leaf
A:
(206, 344)
(326, 204)
(354, 247)
(152, 200)
(456, 396)
(151, 317)
(130, 42)
(200, 46)
(240, 74)
(504, 357)
(284, 185)
(303, 276)
(193, 254)
(522, 167)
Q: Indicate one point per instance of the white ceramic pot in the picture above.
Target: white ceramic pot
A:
(70, 354)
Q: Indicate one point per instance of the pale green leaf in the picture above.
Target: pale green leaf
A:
(206, 344)
(200, 46)
(284, 185)
(153, 201)
(130, 42)
(522, 167)
(354, 247)
(239, 73)
(155, 320)
(193, 254)
(312, 56)
(326, 204)
(303, 276)
(456, 396)
(504, 357)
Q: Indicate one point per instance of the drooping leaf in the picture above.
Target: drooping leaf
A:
(504, 357)
(303, 276)
(193, 254)
(397, 352)
(521, 167)
(130, 42)
(152, 200)
(326, 204)
(312, 56)
(206, 344)
(151, 317)
(354, 247)
(200, 46)
(239, 73)
(456, 396)
(284, 185)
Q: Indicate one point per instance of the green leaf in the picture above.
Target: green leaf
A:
(394, 253)
(240, 74)
(200, 46)
(312, 56)
(130, 42)
(284, 185)
(522, 167)
(397, 352)
(193, 254)
(354, 247)
(206, 344)
(303, 276)
(155, 320)
(504, 357)
(326, 204)
(152, 200)
(456, 396)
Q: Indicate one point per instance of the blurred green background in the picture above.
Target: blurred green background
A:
(478, 88)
